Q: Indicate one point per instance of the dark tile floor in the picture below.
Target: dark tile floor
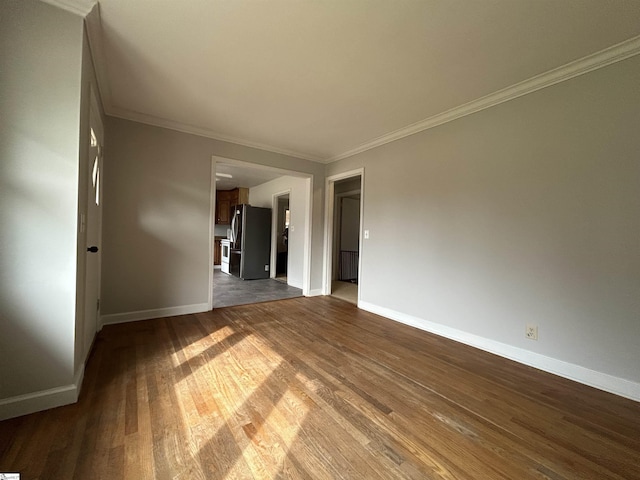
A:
(229, 290)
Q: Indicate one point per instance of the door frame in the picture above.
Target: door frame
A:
(306, 265)
(329, 217)
(274, 232)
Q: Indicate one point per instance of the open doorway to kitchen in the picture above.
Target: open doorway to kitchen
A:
(343, 241)
(259, 186)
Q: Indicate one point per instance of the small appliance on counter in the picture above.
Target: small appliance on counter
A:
(250, 253)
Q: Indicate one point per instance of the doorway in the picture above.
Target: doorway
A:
(343, 242)
(280, 244)
(280, 191)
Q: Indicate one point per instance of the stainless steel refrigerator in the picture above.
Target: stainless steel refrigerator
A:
(250, 242)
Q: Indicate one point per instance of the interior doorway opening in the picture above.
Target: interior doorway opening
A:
(282, 217)
(264, 185)
(344, 239)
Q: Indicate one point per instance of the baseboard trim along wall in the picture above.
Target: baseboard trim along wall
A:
(154, 313)
(43, 400)
(592, 378)
(314, 293)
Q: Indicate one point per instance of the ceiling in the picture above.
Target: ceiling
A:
(322, 80)
(242, 176)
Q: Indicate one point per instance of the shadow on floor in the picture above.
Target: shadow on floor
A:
(345, 291)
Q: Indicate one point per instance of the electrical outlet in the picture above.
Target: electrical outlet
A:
(531, 332)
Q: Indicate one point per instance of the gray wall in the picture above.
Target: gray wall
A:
(156, 214)
(262, 196)
(40, 97)
(155, 219)
(527, 212)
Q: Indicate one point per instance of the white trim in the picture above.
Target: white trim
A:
(204, 132)
(603, 58)
(577, 373)
(42, 400)
(77, 7)
(93, 25)
(79, 378)
(37, 401)
(314, 293)
(600, 59)
(328, 226)
(212, 230)
(308, 222)
(154, 313)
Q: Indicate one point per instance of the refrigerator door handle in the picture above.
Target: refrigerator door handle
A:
(234, 229)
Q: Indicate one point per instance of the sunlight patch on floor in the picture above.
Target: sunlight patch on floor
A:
(201, 346)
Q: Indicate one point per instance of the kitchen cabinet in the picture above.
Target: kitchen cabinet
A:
(217, 252)
(226, 200)
(223, 207)
(241, 196)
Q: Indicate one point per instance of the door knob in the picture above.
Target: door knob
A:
(92, 249)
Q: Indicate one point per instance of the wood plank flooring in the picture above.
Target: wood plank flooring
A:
(313, 388)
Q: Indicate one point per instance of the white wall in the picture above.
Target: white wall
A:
(262, 196)
(156, 218)
(40, 95)
(527, 212)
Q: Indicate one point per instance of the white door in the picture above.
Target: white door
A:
(93, 224)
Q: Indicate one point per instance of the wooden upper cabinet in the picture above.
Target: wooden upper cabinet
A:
(243, 196)
(223, 207)
(226, 200)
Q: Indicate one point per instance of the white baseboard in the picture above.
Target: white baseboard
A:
(314, 293)
(67, 394)
(603, 381)
(77, 381)
(155, 313)
(43, 400)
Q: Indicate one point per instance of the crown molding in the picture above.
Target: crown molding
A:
(77, 7)
(608, 56)
(203, 132)
(603, 58)
(93, 24)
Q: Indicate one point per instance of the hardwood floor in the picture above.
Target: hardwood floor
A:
(314, 388)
